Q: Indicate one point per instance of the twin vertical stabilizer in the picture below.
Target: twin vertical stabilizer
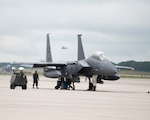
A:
(48, 50)
(81, 55)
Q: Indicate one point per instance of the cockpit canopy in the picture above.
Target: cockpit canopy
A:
(98, 55)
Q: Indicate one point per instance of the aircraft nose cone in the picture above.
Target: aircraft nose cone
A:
(110, 69)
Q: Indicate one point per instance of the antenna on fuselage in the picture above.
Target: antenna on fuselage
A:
(81, 55)
(48, 50)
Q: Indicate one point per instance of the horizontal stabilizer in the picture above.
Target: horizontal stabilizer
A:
(49, 64)
(55, 64)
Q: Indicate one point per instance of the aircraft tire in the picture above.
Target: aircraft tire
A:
(24, 87)
(94, 88)
(56, 87)
(12, 86)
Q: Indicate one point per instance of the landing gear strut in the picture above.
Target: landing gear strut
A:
(99, 80)
(92, 84)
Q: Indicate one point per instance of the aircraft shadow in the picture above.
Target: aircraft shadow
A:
(100, 91)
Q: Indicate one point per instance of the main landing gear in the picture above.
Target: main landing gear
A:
(92, 84)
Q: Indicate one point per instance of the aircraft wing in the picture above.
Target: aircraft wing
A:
(49, 64)
(125, 67)
(44, 64)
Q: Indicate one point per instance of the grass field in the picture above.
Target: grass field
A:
(134, 74)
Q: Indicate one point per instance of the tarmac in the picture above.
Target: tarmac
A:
(125, 99)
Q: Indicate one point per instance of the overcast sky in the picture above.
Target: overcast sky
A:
(119, 28)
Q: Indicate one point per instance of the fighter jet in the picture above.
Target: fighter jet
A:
(64, 47)
(96, 67)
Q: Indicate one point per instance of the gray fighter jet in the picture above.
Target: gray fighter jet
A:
(96, 68)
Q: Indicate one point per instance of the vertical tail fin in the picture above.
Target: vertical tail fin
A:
(80, 48)
(48, 50)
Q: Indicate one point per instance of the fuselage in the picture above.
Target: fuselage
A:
(101, 67)
(97, 65)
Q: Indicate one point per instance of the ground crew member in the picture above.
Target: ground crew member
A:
(35, 79)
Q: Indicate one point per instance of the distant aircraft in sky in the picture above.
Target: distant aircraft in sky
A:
(96, 68)
(64, 47)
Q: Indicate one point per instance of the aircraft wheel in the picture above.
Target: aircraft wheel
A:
(24, 87)
(73, 88)
(56, 87)
(101, 82)
(94, 88)
(12, 86)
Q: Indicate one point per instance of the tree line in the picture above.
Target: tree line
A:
(138, 66)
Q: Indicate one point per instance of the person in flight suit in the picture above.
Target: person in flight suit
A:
(35, 79)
